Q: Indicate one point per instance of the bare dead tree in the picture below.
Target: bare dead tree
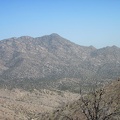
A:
(94, 106)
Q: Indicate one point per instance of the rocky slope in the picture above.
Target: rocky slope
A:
(17, 104)
(73, 111)
(26, 60)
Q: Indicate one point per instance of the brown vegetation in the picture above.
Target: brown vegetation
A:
(18, 104)
(102, 104)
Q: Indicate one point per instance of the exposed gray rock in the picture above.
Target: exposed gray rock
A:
(52, 57)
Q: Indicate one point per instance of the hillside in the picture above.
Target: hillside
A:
(51, 61)
(18, 104)
(40, 77)
(73, 110)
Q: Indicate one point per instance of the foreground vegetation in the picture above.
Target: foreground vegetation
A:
(44, 104)
(102, 104)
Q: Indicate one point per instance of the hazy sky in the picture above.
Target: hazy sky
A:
(85, 22)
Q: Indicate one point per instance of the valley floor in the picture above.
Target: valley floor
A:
(18, 104)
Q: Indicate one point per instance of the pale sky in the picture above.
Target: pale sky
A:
(85, 22)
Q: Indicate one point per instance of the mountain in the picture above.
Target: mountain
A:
(27, 60)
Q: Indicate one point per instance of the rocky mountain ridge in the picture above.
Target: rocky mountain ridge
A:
(53, 57)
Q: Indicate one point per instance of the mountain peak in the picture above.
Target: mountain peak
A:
(55, 34)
